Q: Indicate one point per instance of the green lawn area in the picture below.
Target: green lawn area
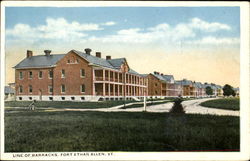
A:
(225, 103)
(66, 104)
(34, 131)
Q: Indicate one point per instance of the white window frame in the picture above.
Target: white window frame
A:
(81, 73)
(62, 88)
(30, 75)
(39, 74)
(49, 74)
(81, 88)
(50, 87)
(63, 75)
(30, 87)
(20, 75)
(20, 89)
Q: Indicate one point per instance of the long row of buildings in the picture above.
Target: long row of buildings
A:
(81, 76)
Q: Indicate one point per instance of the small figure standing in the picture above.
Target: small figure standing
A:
(32, 105)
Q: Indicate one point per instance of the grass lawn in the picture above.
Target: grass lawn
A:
(225, 103)
(31, 131)
(66, 104)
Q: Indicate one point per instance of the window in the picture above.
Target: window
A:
(63, 73)
(21, 89)
(63, 98)
(82, 73)
(155, 84)
(30, 98)
(62, 88)
(30, 89)
(50, 89)
(82, 88)
(51, 98)
(82, 98)
(77, 61)
(50, 74)
(40, 74)
(68, 61)
(20, 98)
(72, 98)
(30, 75)
(156, 92)
(20, 75)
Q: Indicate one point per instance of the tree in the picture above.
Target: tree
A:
(177, 107)
(228, 90)
(209, 90)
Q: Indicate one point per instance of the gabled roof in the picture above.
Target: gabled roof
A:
(94, 60)
(117, 62)
(160, 77)
(50, 61)
(184, 82)
(168, 78)
(40, 61)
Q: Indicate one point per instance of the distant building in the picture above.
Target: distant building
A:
(9, 93)
(160, 85)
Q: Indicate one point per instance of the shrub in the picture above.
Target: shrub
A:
(177, 107)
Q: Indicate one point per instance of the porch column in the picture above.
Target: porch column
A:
(103, 74)
(114, 89)
(103, 89)
(118, 88)
(109, 89)
(109, 75)
(93, 82)
(118, 77)
(134, 91)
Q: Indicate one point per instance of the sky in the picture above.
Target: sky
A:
(196, 43)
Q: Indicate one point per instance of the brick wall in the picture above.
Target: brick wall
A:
(154, 86)
(73, 79)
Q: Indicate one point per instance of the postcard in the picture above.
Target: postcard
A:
(131, 80)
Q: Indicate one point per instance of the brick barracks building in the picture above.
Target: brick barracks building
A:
(160, 85)
(77, 76)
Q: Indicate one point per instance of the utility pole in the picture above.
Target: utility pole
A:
(145, 104)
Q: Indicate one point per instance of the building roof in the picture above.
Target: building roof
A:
(184, 82)
(168, 78)
(40, 61)
(8, 90)
(51, 60)
(164, 78)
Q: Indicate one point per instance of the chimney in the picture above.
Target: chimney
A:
(155, 72)
(47, 52)
(108, 57)
(98, 54)
(29, 53)
(88, 50)
(161, 74)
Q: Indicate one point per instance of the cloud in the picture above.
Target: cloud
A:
(210, 40)
(166, 34)
(58, 28)
(110, 23)
(197, 23)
